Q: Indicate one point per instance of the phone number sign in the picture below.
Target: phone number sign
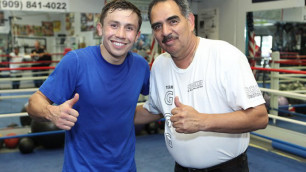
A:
(35, 5)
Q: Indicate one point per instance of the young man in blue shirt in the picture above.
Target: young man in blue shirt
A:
(93, 93)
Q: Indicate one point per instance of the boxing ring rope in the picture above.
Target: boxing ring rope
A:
(293, 67)
(14, 97)
(287, 120)
(8, 115)
(33, 134)
(27, 68)
(285, 93)
(29, 71)
(279, 70)
(29, 56)
(19, 90)
(30, 62)
(24, 78)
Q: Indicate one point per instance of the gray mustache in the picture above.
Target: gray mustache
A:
(168, 37)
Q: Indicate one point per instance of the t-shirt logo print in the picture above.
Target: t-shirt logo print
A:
(168, 139)
(167, 119)
(169, 97)
(253, 91)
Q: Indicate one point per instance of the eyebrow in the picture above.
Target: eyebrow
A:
(168, 19)
(172, 17)
(126, 24)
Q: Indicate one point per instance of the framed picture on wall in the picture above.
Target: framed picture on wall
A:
(47, 28)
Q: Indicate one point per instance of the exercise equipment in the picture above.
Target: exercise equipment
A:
(25, 120)
(47, 141)
(26, 145)
(152, 128)
(282, 103)
(11, 143)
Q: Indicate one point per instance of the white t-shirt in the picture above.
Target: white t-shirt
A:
(219, 80)
(16, 58)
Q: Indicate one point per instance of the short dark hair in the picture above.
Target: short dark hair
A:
(120, 4)
(183, 5)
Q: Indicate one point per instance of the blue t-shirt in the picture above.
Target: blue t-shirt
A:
(103, 138)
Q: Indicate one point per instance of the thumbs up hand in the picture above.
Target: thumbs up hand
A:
(185, 119)
(64, 116)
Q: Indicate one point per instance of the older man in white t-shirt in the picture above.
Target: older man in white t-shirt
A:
(206, 92)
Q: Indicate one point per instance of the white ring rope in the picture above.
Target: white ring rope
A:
(14, 97)
(293, 67)
(285, 93)
(31, 90)
(286, 78)
(24, 73)
(19, 90)
(287, 120)
(13, 115)
(23, 78)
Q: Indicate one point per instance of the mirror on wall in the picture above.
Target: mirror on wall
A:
(281, 30)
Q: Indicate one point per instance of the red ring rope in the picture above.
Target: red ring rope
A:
(289, 53)
(27, 68)
(294, 56)
(29, 62)
(55, 54)
(279, 70)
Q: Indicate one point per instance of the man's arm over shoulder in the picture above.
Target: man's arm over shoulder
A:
(143, 116)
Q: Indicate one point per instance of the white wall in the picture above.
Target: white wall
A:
(90, 6)
(232, 15)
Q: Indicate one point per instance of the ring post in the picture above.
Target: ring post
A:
(274, 83)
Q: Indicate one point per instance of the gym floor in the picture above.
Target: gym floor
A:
(151, 156)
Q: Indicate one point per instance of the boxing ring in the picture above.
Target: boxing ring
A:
(281, 138)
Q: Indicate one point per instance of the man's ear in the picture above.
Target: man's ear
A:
(137, 36)
(99, 29)
(191, 21)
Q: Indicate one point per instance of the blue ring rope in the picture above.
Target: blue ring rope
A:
(33, 134)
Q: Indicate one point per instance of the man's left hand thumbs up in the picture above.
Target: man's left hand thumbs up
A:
(185, 119)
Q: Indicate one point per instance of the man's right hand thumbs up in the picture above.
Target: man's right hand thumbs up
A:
(73, 101)
(64, 116)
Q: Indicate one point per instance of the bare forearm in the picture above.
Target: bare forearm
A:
(143, 116)
(236, 122)
(38, 107)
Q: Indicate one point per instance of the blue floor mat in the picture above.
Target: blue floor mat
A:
(151, 156)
